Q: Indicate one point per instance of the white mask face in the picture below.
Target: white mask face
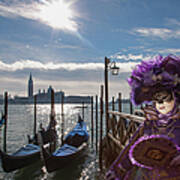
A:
(165, 107)
(164, 102)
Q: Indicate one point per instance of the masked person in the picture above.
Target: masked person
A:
(153, 152)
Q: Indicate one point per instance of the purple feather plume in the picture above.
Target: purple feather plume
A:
(155, 75)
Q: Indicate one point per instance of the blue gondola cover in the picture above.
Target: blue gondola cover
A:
(28, 149)
(65, 150)
(79, 129)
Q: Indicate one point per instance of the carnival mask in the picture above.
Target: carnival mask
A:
(164, 101)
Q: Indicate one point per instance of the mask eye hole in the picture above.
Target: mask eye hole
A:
(161, 97)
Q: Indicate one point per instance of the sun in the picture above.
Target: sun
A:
(58, 14)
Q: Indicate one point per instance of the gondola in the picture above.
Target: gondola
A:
(73, 146)
(27, 154)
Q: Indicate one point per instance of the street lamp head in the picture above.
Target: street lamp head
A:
(111, 66)
(114, 68)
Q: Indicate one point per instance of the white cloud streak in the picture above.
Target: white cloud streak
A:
(170, 51)
(131, 57)
(132, 61)
(29, 64)
(163, 33)
(127, 57)
(126, 67)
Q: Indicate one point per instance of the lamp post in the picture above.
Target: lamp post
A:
(115, 70)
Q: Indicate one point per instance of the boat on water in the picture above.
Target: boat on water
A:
(21, 158)
(27, 154)
(72, 148)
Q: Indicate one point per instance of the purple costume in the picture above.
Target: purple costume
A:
(147, 78)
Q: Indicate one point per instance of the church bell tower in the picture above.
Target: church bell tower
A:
(30, 86)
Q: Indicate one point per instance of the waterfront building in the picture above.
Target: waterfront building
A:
(44, 96)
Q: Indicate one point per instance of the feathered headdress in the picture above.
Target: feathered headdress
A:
(154, 75)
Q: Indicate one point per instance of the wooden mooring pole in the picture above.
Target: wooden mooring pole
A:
(53, 121)
(131, 105)
(106, 62)
(119, 103)
(83, 110)
(101, 128)
(96, 123)
(113, 104)
(62, 119)
(52, 105)
(122, 123)
(35, 114)
(5, 118)
(92, 122)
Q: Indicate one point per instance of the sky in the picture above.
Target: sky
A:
(63, 43)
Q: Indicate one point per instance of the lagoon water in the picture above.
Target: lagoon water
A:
(20, 124)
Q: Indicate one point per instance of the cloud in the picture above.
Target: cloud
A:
(173, 21)
(126, 67)
(30, 64)
(56, 13)
(127, 57)
(163, 33)
(50, 66)
(170, 51)
(164, 51)
(132, 59)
